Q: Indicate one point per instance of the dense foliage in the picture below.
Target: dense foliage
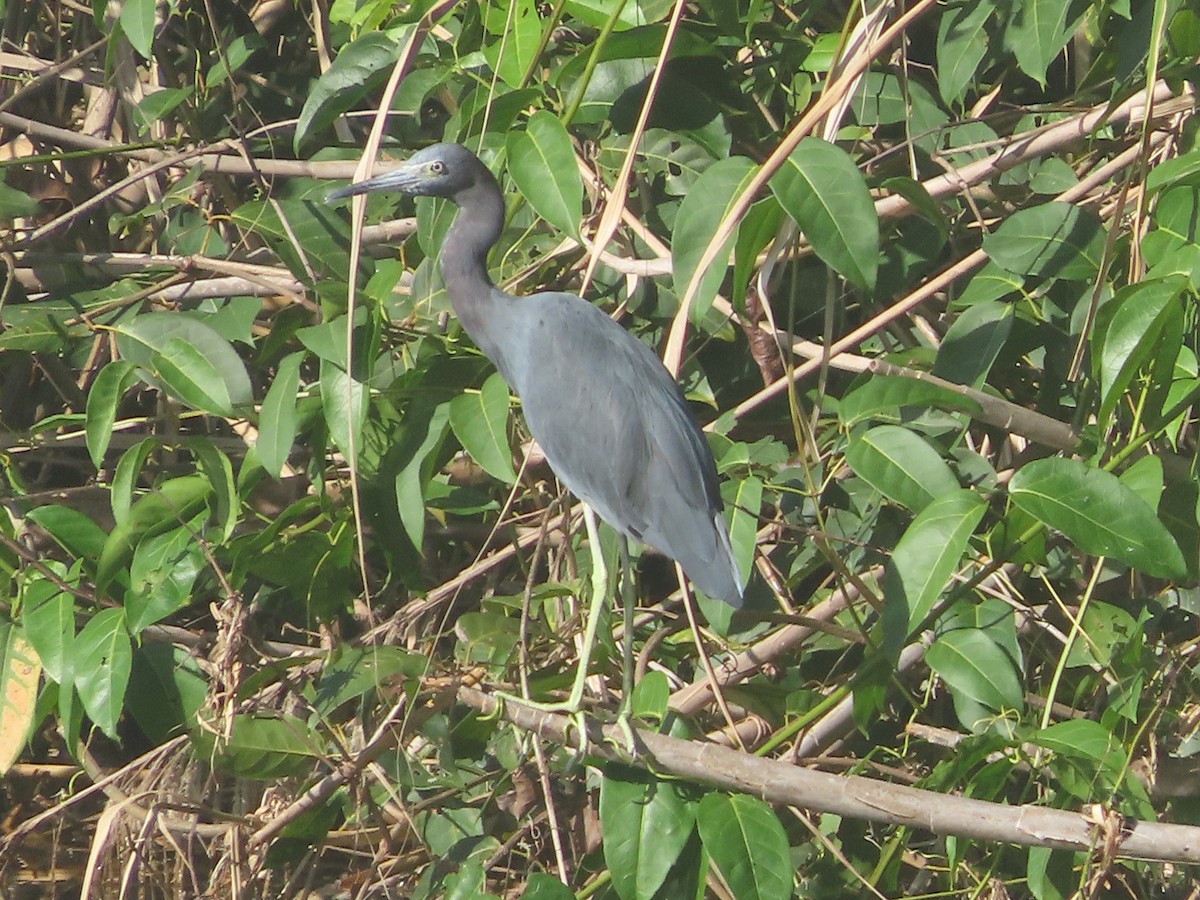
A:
(275, 535)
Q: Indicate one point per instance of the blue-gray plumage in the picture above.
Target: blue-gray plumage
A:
(611, 420)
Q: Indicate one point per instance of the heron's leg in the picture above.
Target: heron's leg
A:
(625, 711)
(573, 705)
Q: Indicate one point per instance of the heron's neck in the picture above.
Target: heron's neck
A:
(474, 232)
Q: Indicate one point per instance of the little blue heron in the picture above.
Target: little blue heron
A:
(613, 423)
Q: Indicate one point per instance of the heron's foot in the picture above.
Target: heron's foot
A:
(625, 726)
(576, 720)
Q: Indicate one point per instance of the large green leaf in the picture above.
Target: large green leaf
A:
(1132, 336)
(701, 211)
(901, 465)
(344, 401)
(962, 43)
(923, 561)
(411, 480)
(972, 664)
(359, 66)
(188, 359)
(746, 843)
(518, 33)
(277, 420)
(172, 503)
(166, 690)
(1099, 514)
(103, 659)
(137, 23)
(1054, 240)
(192, 377)
(885, 396)
(541, 161)
(646, 822)
(107, 390)
(161, 574)
(263, 747)
(973, 342)
(48, 617)
(480, 422)
(821, 188)
(1038, 30)
(78, 534)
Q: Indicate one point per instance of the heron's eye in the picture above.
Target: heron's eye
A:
(437, 167)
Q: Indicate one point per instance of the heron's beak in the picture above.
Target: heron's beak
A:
(404, 179)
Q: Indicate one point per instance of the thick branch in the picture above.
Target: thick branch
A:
(849, 795)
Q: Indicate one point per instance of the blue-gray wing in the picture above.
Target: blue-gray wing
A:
(618, 432)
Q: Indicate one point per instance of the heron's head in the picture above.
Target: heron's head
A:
(441, 170)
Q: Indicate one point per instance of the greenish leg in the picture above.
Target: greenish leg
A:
(573, 705)
(624, 713)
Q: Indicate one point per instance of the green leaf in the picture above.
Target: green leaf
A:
(519, 32)
(923, 561)
(159, 104)
(743, 498)
(172, 503)
(126, 477)
(1132, 336)
(106, 393)
(1076, 737)
(277, 420)
(166, 690)
(16, 204)
(48, 617)
(198, 365)
(261, 747)
(901, 466)
(1104, 630)
(344, 401)
(20, 672)
(351, 672)
(821, 188)
(410, 482)
(973, 342)
(749, 847)
(884, 396)
(355, 71)
(219, 471)
(73, 530)
(1097, 513)
(310, 238)
(188, 374)
(990, 283)
(972, 664)
(756, 230)
(1170, 172)
(701, 211)
(1037, 32)
(540, 886)
(161, 575)
(962, 42)
(479, 420)
(137, 22)
(103, 660)
(541, 161)
(1053, 240)
(235, 53)
(645, 823)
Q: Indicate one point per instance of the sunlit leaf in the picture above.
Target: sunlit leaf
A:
(822, 189)
(1099, 514)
